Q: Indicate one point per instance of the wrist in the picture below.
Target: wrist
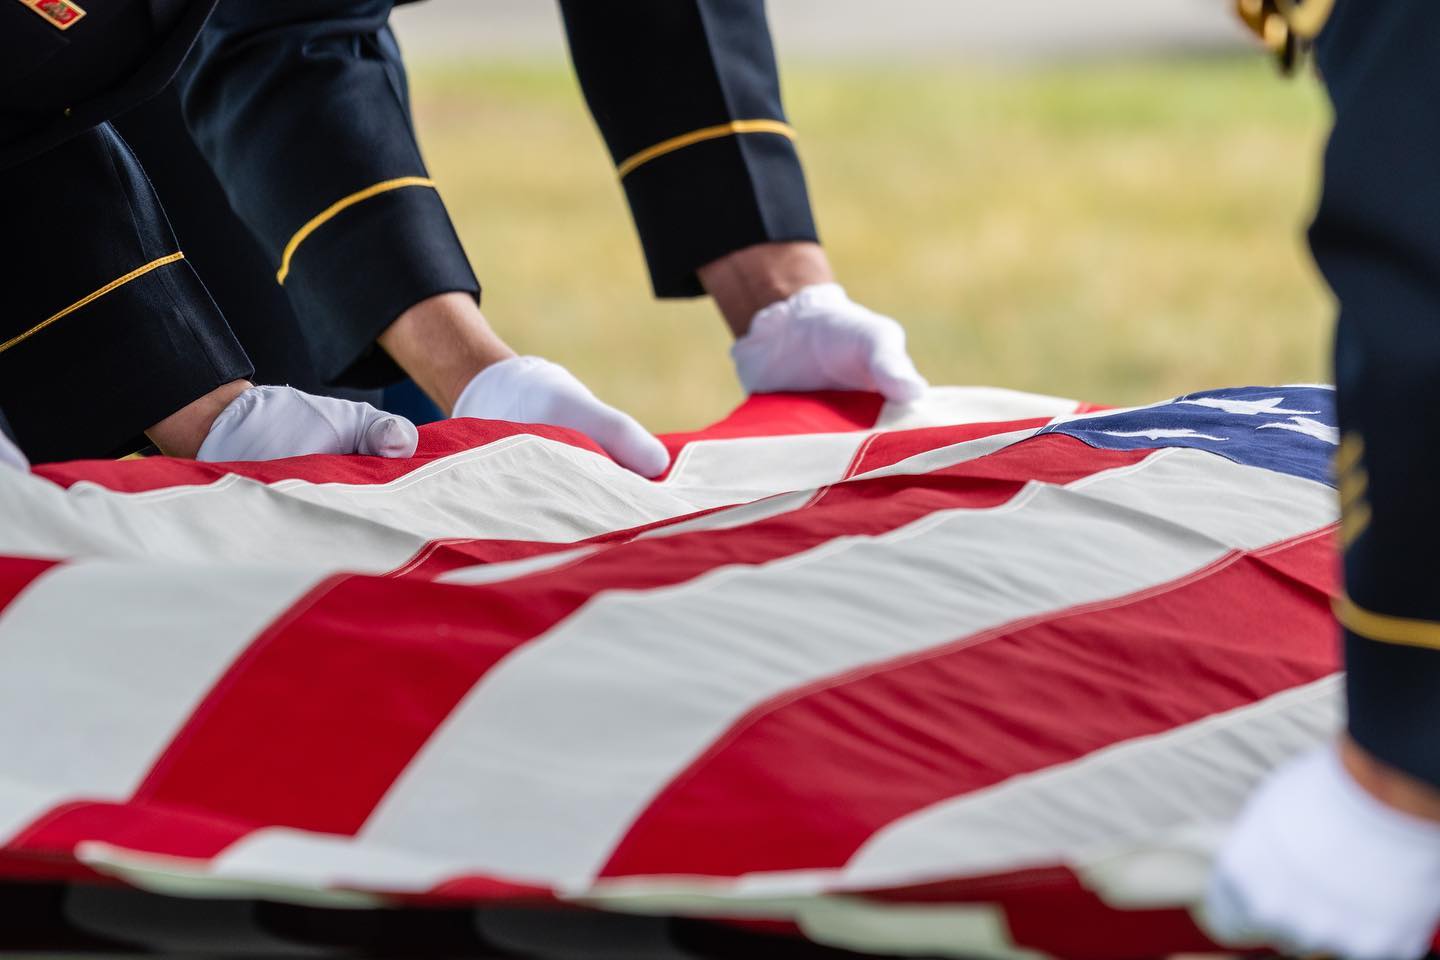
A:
(182, 433)
(745, 282)
(1390, 786)
(442, 343)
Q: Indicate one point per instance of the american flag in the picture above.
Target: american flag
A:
(984, 676)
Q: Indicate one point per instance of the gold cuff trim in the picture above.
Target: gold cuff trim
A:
(1387, 629)
(1352, 488)
(1348, 454)
(628, 165)
(321, 218)
(1355, 521)
(90, 298)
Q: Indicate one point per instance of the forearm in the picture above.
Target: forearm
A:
(301, 108)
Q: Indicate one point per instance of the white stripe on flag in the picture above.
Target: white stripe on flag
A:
(1126, 815)
(1138, 821)
(638, 684)
(100, 664)
(567, 493)
(942, 406)
(284, 858)
(956, 453)
(714, 472)
(482, 573)
(920, 463)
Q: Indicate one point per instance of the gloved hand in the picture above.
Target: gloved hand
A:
(267, 423)
(819, 339)
(1318, 865)
(10, 455)
(534, 390)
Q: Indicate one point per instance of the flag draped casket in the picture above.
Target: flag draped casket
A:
(986, 676)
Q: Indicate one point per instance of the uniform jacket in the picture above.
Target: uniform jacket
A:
(131, 49)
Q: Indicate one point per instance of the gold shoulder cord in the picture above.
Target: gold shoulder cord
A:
(1287, 27)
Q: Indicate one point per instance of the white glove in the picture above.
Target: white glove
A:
(267, 423)
(1316, 864)
(10, 455)
(819, 339)
(534, 390)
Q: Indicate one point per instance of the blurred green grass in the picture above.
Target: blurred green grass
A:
(1117, 232)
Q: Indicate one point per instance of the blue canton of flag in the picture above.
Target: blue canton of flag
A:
(1289, 429)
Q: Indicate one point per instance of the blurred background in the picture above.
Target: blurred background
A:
(1102, 200)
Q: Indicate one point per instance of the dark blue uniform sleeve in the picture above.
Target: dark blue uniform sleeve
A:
(107, 330)
(1376, 239)
(687, 96)
(302, 110)
(222, 250)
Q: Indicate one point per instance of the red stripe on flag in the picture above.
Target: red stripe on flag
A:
(482, 889)
(787, 414)
(442, 556)
(178, 832)
(879, 450)
(17, 573)
(765, 415)
(436, 441)
(314, 722)
(34, 868)
(861, 750)
(884, 449)
(1048, 909)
